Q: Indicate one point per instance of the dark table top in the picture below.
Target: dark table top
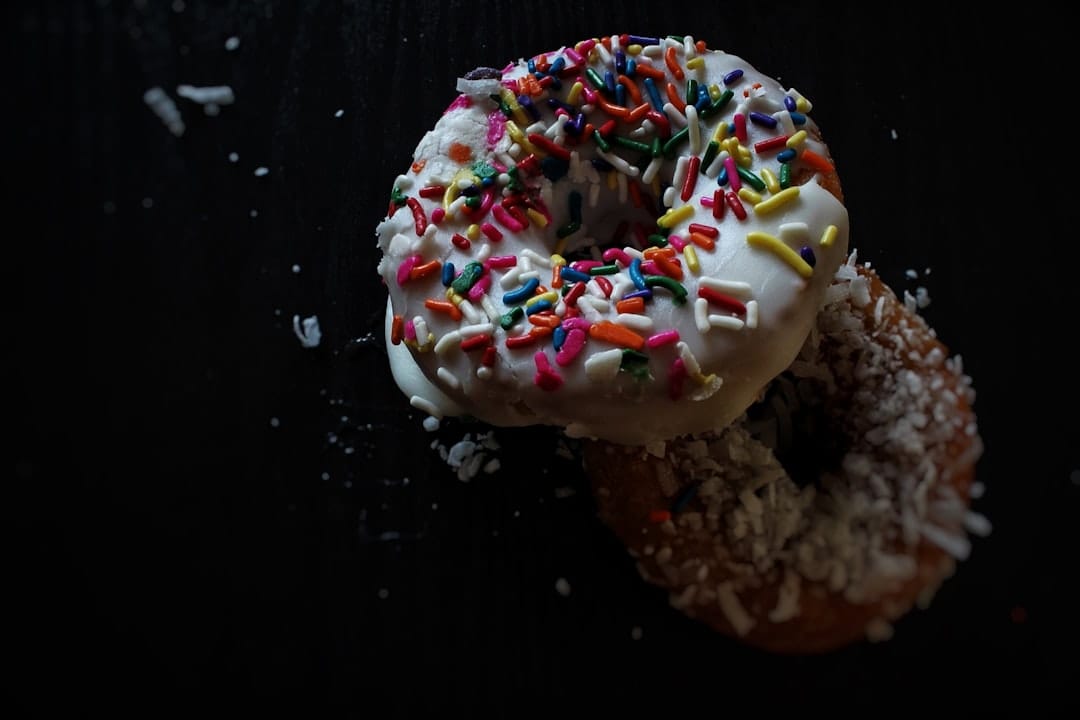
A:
(218, 511)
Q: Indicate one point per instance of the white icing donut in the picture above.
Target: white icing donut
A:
(541, 172)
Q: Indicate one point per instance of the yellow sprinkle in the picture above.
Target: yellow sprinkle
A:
(780, 250)
(575, 93)
(720, 133)
(695, 63)
(452, 189)
(517, 136)
(453, 297)
(743, 156)
(612, 180)
(749, 195)
(673, 217)
(558, 259)
(634, 49)
(511, 102)
(778, 200)
(691, 259)
(730, 144)
(802, 104)
(551, 296)
(797, 139)
(473, 233)
(537, 217)
(714, 94)
(829, 236)
(771, 181)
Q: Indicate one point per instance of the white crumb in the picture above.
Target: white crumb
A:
(307, 331)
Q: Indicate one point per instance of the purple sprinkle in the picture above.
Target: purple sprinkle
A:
(762, 119)
(642, 40)
(620, 62)
(807, 254)
(789, 103)
(645, 294)
(527, 104)
(732, 76)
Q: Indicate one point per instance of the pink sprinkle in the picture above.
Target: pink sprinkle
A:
(438, 215)
(732, 174)
(507, 220)
(460, 102)
(706, 201)
(574, 56)
(485, 203)
(545, 378)
(617, 255)
(649, 268)
(676, 377)
(410, 330)
(676, 242)
(585, 265)
(496, 128)
(499, 262)
(572, 345)
(491, 232)
(508, 68)
(586, 45)
(663, 338)
(479, 288)
(576, 323)
(740, 127)
(590, 94)
(406, 267)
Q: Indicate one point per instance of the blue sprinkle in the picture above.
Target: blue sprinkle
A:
(631, 67)
(635, 274)
(620, 62)
(654, 94)
(569, 274)
(762, 119)
(786, 156)
(447, 274)
(732, 76)
(645, 294)
(721, 179)
(538, 306)
(522, 293)
(703, 99)
(807, 254)
(487, 181)
(557, 66)
(620, 94)
(526, 102)
(642, 40)
(609, 82)
(531, 65)
(798, 118)
(558, 337)
(789, 103)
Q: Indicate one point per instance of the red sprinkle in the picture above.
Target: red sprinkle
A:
(490, 353)
(432, 191)
(575, 292)
(691, 178)
(605, 285)
(491, 232)
(397, 330)
(705, 230)
(721, 300)
(735, 204)
(520, 341)
(460, 241)
(476, 342)
(659, 516)
(718, 204)
(419, 218)
(552, 148)
(773, 143)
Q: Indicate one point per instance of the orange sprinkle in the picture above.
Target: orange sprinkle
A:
(702, 241)
(547, 320)
(540, 331)
(673, 96)
(530, 86)
(652, 252)
(443, 306)
(816, 161)
(460, 153)
(631, 305)
(700, 46)
(673, 64)
(418, 165)
(616, 335)
(556, 276)
(631, 89)
(639, 112)
(542, 63)
(587, 132)
(397, 328)
(422, 271)
(635, 193)
(670, 267)
(649, 71)
(659, 516)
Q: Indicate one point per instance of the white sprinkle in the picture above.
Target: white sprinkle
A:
(447, 342)
(680, 171)
(733, 610)
(431, 423)
(726, 322)
(701, 315)
(794, 232)
(729, 287)
(922, 297)
(448, 377)
(232, 43)
(641, 323)
(562, 587)
(752, 314)
(164, 107)
(957, 546)
(426, 406)
(977, 524)
(603, 366)
(619, 164)
(695, 129)
(669, 196)
(653, 168)
(262, 171)
(307, 331)
(274, 422)
(879, 310)
(339, 113)
(216, 94)
(234, 157)
(678, 120)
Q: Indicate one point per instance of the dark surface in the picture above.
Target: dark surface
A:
(174, 546)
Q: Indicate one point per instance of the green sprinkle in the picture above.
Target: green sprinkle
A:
(397, 197)
(691, 92)
(630, 144)
(636, 364)
(473, 202)
(468, 277)
(785, 175)
(595, 79)
(509, 318)
(657, 147)
(718, 105)
(483, 170)
(750, 178)
(673, 143)
(611, 269)
(711, 152)
(600, 141)
(658, 240)
(669, 284)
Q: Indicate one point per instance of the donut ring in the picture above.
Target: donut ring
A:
(807, 570)
(627, 238)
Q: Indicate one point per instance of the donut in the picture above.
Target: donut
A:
(626, 238)
(835, 504)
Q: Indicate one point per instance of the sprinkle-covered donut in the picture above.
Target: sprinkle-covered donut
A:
(627, 238)
(838, 503)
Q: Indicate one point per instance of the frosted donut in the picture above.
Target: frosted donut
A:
(875, 421)
(627, 238)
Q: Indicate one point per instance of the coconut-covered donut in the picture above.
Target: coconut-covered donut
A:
(627, 238)
(837, 503)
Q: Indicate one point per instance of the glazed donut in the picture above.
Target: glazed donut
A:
(838, 502)
(626, 238)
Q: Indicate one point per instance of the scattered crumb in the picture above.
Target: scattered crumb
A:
(339, 113)
(562, 587)
(431, 423)
(262, 171)
(636, 633)
(307, 331)
(253, 213)
(148, 202)
(878, 630)
(383, 593)
(470, 457)
(216, 95)
(274, 422)
(912, 274)
(922, 297)
(894, 134)
(234, 157)
(296, 269)
(564, 492)
(232, 43)
(164, 107)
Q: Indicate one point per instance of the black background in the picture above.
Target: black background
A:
(208, 513)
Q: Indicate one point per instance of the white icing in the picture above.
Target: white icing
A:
(595, 399)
